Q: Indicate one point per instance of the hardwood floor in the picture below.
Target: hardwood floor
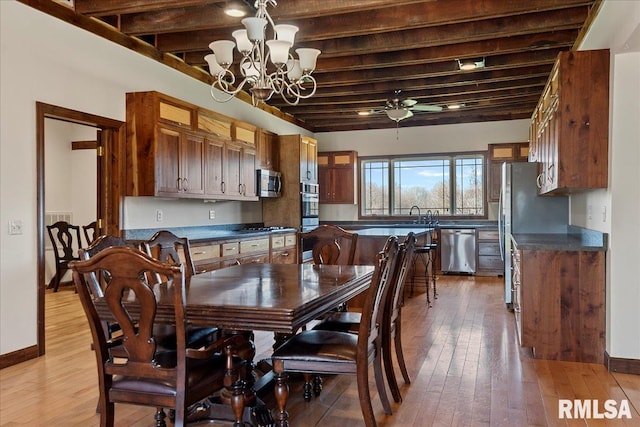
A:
(462, 355)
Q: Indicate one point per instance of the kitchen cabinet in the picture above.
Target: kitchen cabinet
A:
(267, 149)
(276, 248)
(490, 262)
(175, 149)
(570, 125)
(283, 249)
(297, 155)
(498, 154)
(337, 177)
(560, 303)
(308, 160)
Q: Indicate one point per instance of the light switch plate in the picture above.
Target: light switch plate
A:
(15, 226)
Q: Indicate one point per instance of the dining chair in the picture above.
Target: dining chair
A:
(65, 240)
(329, 244)
(391, 327)
(334, 352)
(90, 232)
(149, 376)
(425, 253)
(167, 247)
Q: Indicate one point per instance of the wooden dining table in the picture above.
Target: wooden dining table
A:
(279, 298)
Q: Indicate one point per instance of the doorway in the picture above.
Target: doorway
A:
(109, 185)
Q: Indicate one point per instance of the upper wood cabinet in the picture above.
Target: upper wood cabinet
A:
(267, 150)
(498, 154)
(336, 176)
(308, 160)
(176, 149)
(569, 134)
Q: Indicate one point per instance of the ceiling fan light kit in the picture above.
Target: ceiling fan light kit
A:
(397, 114)
(291, 79)
(470, 64)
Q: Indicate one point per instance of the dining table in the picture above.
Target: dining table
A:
(278, 298)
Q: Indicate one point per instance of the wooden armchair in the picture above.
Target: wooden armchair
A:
(174, 379)
(330, 245)
(65, 240)
(335, 352)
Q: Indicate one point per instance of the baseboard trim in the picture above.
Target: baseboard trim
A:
(18, 356)
(621, 365)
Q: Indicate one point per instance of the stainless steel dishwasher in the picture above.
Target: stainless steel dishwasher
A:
(458, 250)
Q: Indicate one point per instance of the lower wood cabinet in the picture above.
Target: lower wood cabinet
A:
(276, 248)
(490, 262)
(562, 304)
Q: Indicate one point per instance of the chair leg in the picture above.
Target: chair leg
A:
(281, 392)
(397, 339)
(237, 402)
(306, 388)
(382, 391)
(388, 369)
(364, 396)
(317, 385)
(159, 417)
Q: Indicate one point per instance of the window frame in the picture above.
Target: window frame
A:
(390, 159)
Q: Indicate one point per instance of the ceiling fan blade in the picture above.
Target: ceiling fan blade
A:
(409, 102)
(426, 107)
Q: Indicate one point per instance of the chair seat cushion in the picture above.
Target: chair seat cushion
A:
(317, 345)
(203, 377)
(165, 336)
(345, 321)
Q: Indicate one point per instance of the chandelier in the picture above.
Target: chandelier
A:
(289, 77)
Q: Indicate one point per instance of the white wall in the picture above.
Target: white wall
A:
(427, 139)
(617, 28)
(44, 59)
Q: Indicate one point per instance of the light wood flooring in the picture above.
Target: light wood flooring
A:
(462, 355)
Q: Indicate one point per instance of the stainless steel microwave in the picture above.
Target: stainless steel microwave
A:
(269, 183)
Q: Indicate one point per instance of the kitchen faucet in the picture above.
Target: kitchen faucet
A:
(411, 212)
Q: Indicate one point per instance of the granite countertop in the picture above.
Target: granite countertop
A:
(358, 225)
(198, 234)
(576, 239)
(391, 231)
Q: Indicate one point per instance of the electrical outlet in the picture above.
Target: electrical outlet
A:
(15, 226)
(589, 212)
(212, 214)
(159, 215)
(604, 213)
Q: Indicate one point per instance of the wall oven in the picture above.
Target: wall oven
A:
(309, 202)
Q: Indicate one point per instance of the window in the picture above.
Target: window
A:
(453, 185)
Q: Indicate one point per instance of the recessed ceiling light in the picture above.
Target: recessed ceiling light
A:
(364, 113)
(235, 10)
(455, 106)
(470, 64)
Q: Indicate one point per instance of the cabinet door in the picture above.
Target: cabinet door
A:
(308, 160)
(343, 186)
(267, 155)
(233, 186)
(325, 184)
(168, 161)
(193, 164)
(248, 170)
(215, 161)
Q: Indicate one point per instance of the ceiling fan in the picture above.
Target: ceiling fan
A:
(398, 108)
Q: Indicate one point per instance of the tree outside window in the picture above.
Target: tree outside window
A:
(450, 185)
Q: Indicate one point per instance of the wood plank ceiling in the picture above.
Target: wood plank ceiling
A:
(370, 49)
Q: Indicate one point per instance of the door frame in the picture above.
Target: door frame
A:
(110, 184)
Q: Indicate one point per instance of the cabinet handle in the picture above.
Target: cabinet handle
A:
(200, 253)
(222, 186)
(517, 309)
(539, 181)
(550, 169)
(178, 184)
(185, 184)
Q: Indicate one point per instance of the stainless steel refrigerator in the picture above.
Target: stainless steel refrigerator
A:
(521, 210)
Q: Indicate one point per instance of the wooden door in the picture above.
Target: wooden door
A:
(214, 169)
(232, 177)
(193, 164)
(248, 172)
(168, 161)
